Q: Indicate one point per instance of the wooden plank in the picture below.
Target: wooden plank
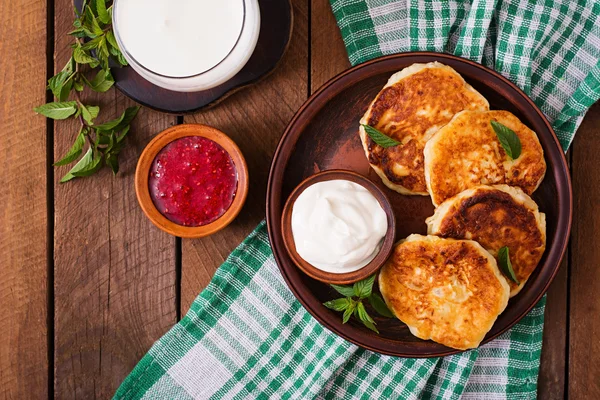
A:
(551, 380)
(23, 219)
(255, 119)
(115, 273)
(553, 364)
(584, 333)
(328, 54)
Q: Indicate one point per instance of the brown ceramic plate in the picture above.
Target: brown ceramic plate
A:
(324, 135)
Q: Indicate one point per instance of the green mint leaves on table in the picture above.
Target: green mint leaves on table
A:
(352, 303)
(508, 139)
(505, 265)
(379, 137)
(93, 48)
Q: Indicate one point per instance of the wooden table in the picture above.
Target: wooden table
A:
(87, 283)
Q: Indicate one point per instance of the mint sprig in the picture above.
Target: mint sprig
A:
(352, 303)
(508, 139)
(506, 266)
(379, 137)
(94, 47)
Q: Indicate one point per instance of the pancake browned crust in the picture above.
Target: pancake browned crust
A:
(467, 153)
(414, 104)
(496, 216)
(446, 290)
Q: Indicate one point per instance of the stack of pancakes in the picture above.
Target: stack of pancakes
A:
(447, 286)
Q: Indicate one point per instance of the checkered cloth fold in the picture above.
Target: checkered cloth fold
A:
(246, 336)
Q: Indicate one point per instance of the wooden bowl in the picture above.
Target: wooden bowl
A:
(142, 173)
(324, 135)
(329, 277)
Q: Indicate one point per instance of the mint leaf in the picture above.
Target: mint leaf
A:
(508, 139)
(92, 44)
(90, 168)
(70, 66)
(123, 133)
(121, 59)
(94, 110)
(79, 33)
(379, 305)
(57, 110)
(101, 82)
(57, 83)
(347, 291)
(379, 137)
(103, 138)
(505, 264)
(115, 52)
(102, 47)
(338, 304)
(83, 163)
(110, 38)
(112, 161)
(89, 113)
(102, 11)
(74, 151)
(364, 288)
(348, 312)
(61, 83)
(370, 325)
(363, 315)
(90, 23)
(121, 122)
(365, 318)
(81, 57)
(66, 89)
(78, 85)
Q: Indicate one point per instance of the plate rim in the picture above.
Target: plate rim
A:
(562, 223)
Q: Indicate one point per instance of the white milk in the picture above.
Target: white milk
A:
(187, 45)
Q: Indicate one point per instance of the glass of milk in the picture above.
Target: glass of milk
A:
(186, 45)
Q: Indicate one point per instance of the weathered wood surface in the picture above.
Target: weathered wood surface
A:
(23, 218)
(114, 272)
(117, 283)
(584, 291)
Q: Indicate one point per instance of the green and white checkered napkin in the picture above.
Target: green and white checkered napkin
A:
(246, 336)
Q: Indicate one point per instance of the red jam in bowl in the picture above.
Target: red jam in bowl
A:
(193, 181)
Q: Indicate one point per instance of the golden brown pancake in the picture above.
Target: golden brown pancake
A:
(414, 104)
(467, 153)
(496, 216)
(446, 290)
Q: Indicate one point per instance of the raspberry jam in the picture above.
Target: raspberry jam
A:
(192, 181)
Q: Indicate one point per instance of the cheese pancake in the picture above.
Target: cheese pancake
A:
(496, 216)
(414, 104)
(467, 153)
(446, 290)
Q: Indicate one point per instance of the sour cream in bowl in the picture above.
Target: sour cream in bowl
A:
(338, 227)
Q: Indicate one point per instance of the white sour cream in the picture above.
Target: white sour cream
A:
(338, 226)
